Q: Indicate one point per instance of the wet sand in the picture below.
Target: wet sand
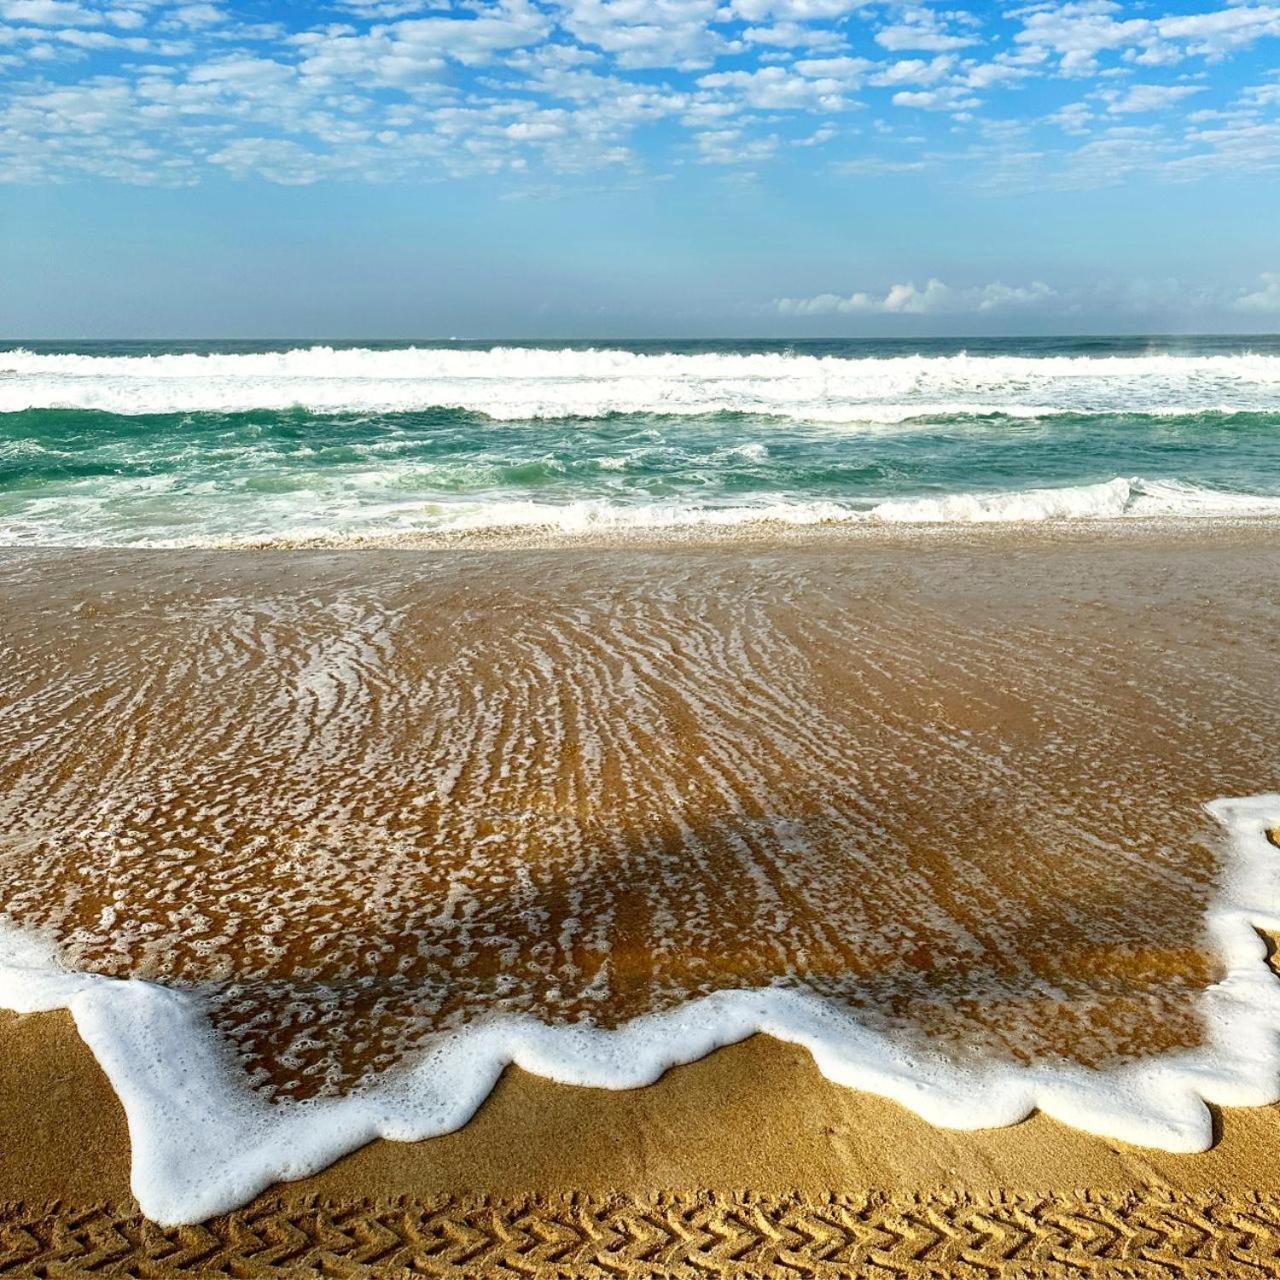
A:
(953, 784)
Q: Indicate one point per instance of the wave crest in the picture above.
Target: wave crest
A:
(1119, 498)
(513, 383)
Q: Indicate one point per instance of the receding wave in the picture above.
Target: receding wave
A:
(1119, 498)
(360, 519)
(205, 1142)
(514, 383)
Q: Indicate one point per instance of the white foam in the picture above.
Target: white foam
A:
(373, 510)
(203, 1142)
(520, 382)
(1120, 498)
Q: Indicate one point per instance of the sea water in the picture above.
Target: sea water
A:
(210, 443)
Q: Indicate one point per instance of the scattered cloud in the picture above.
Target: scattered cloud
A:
(1063, 93)
(1080, 33)
(919, 27)
(1148, 97)
(1135, 296)
(933, 298)
(1264, 298)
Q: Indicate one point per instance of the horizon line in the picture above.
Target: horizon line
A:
(666, 337)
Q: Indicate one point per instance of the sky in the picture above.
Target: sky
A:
(626, 168)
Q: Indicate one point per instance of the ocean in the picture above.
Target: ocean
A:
(220, 443)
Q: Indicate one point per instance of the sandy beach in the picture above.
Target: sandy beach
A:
(950, 785)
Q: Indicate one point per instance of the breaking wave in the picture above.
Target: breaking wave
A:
(374, 514)
(514, 383)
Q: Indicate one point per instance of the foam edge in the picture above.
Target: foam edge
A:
(204, 1143)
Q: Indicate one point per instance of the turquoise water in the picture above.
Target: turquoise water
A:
(162, 444)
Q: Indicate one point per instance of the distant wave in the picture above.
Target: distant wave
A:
(514, 383)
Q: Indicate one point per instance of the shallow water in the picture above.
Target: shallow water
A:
(356, 798)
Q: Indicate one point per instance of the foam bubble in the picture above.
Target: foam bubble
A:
(1123, 497)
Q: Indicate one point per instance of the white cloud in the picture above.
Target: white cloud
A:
(1265, 298)
(1079, 32)
(923, 29)
(909, 300)
(949, 98)
(1001, 297)
(913, 71)
(1003, 70)
(49, 13)
(1135, 296)
(1149, 97)
(198, 15)
(647, 33)
(394, 87)
(1219, 32)
(732, 147)
(901, 38)
(849, 73)
(410, 52)
(793, 10)
(818, 137)
(932, 299)
(877, 166)
(1075, 117)
(1262, 95)
(777, 88)
(794, 35)
(277, 159)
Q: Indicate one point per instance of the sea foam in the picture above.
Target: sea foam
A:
(1133, 497)
(377, 511)
(203, 1142)
(516, 383)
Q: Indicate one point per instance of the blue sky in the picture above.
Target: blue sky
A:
(619, 167)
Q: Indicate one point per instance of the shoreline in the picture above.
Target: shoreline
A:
(748, 535)
(204, 1145)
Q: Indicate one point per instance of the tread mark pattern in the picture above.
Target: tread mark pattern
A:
(1152, 1235)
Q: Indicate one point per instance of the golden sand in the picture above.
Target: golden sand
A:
(748, 1163)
